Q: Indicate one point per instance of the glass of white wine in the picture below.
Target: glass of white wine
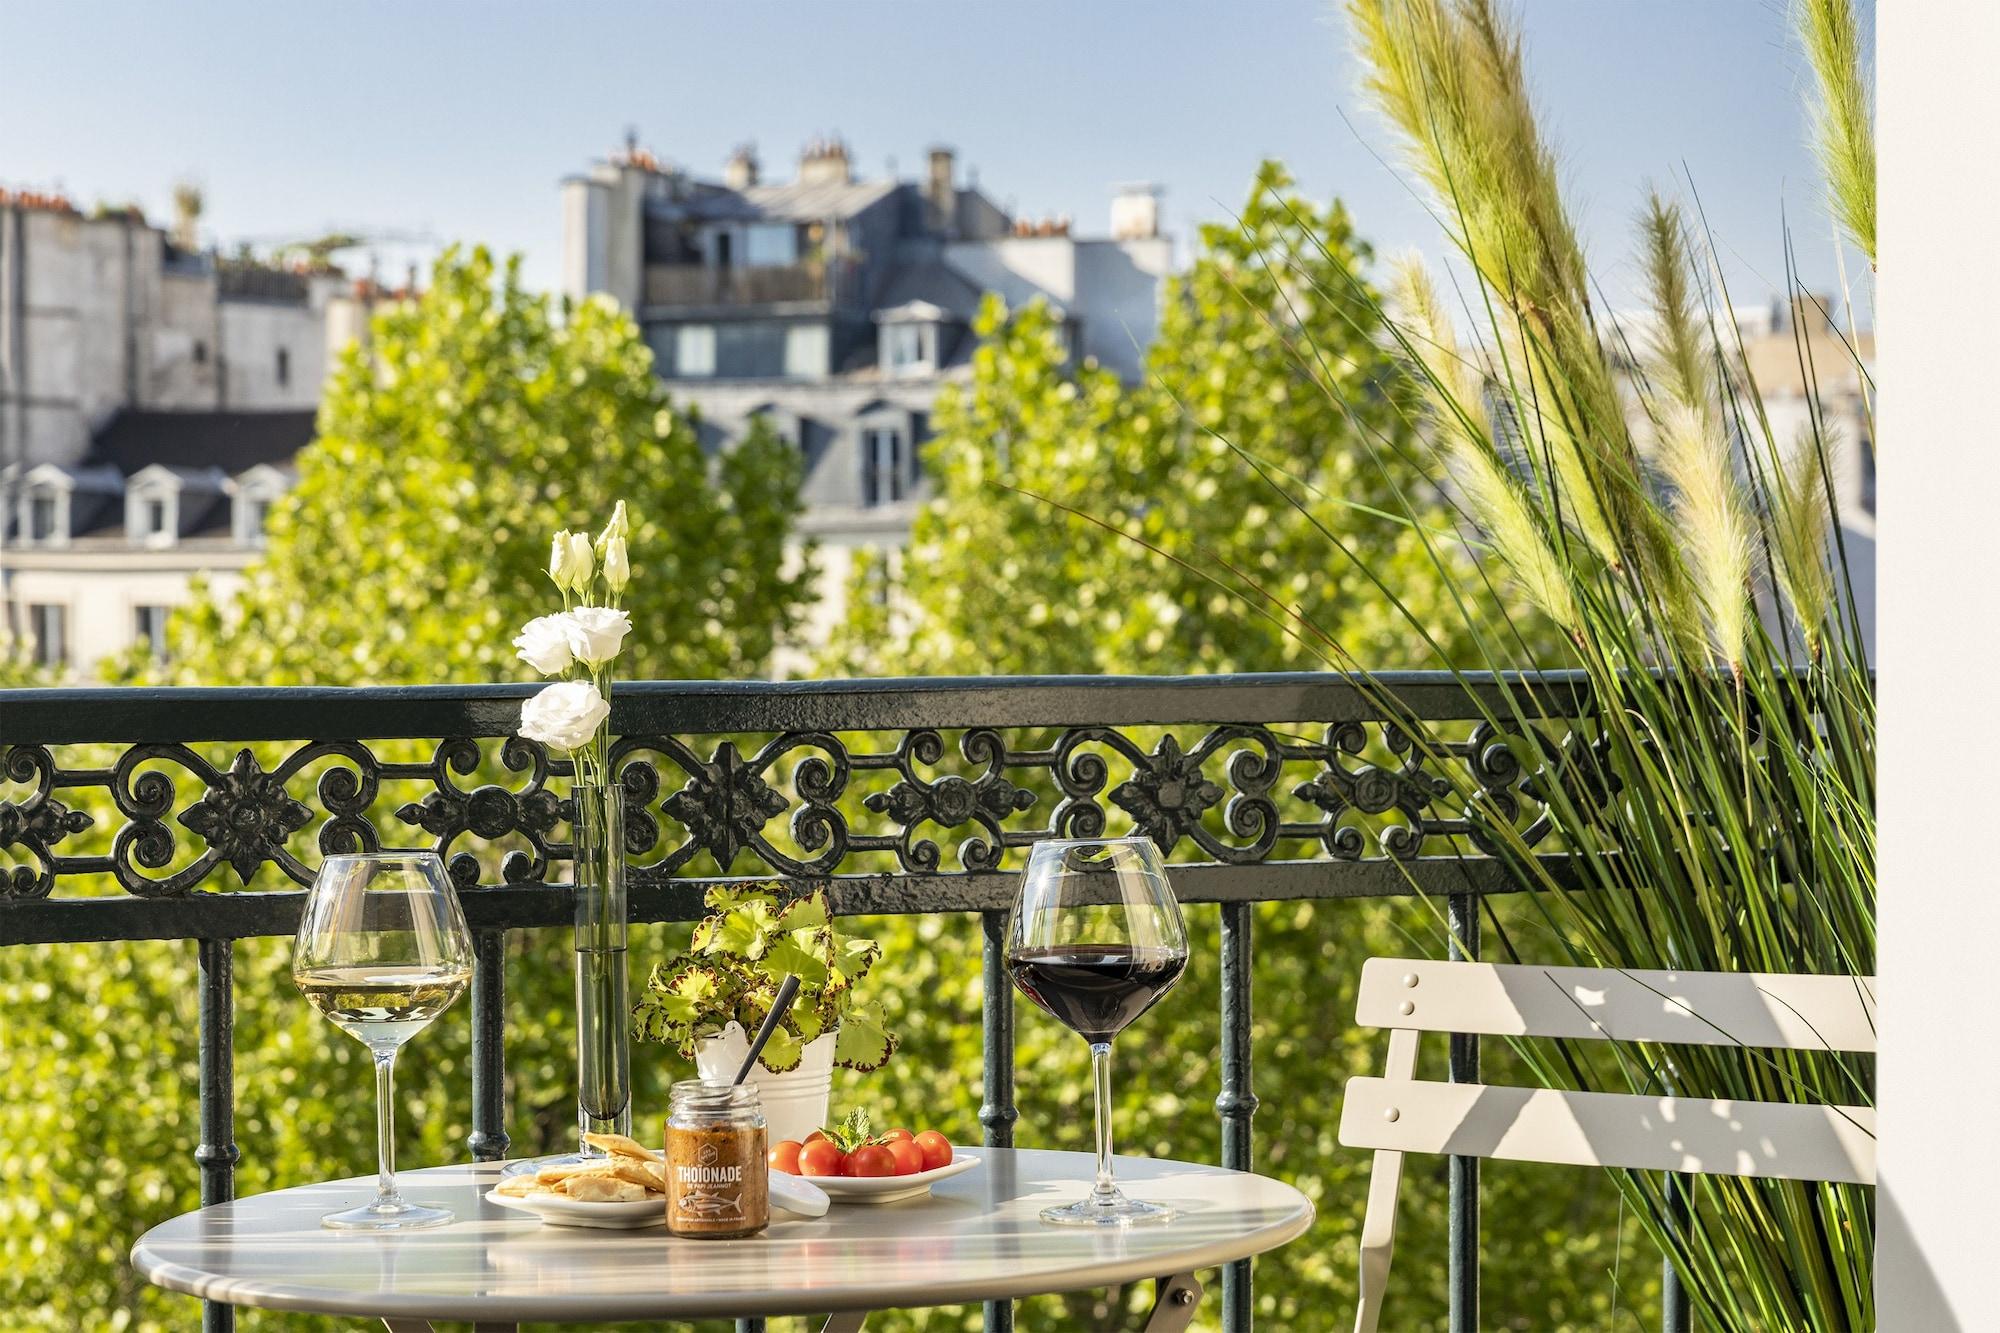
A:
(382, 950)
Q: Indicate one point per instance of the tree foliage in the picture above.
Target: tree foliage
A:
(476, 420)
(1084, 524)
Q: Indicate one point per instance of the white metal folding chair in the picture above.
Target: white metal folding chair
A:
(1401, 1113)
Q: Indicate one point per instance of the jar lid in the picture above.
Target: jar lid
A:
(714, 1097)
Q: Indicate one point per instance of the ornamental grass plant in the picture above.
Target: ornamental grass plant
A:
(1718, 805)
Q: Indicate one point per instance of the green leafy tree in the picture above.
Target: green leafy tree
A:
(475, 421)
(1175, 554)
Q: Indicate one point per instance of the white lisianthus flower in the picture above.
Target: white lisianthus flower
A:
(583, 562)
(543, 644)
(562, 564)
(617, 569)
(618, 528)
(595, 633)
(565, 715)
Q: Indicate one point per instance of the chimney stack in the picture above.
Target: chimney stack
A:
(741, 173)
(1135, 213)
(825, 162)
(941, 192)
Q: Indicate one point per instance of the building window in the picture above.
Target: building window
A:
(200, 352)
(156, 518)
(806, 351)
(884, 466)
(284, 367)
(694, 350)
(49, 624)
(150, 628)
(909, 349)
(41, 516)
(256, 513)
(771, 245)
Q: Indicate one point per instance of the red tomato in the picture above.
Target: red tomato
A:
(785, 1156)
(819, 1134)
(896, 1134)
(871, 1160)
(820, 1158)
(909, 1157)
(936, 1149)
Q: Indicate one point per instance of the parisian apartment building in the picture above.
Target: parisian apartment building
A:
(153, 396)
(837, 305)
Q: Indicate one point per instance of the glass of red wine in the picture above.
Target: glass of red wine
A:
(1095, 939)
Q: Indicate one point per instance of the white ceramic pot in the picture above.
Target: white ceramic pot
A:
(795, 1101)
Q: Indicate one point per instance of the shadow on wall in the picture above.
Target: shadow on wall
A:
(1907, 1294)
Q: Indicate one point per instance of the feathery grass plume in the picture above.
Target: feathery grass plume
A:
(1714, 523)
(1455, 391)
(1448, 74)
(1801, 524)
(1677, 352)
(1843, 129)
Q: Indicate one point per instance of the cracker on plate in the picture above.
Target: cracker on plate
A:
(620, 1145)
(604, 1189)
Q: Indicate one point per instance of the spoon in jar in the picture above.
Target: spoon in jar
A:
(788, 990)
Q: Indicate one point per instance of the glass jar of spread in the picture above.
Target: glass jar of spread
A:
(716, 1160)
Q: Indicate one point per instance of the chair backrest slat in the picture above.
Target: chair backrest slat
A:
(1758, 1009)
(1686, 1134)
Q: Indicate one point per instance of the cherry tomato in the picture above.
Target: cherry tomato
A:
(896, 1134)
(818, 1134)
(821, 1158)
(936, 1148)
(871, 1160)
(785, 1156)
(909, 1157)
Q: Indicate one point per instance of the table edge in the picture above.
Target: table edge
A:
(175, 1277)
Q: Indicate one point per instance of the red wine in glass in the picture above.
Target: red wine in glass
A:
(1095, 938)
(1095, 990)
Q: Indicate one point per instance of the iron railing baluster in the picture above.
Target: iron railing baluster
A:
(997, 1112)
(217, 1154)
(1463, 1274)
(1237, 1102)
(489, 1139)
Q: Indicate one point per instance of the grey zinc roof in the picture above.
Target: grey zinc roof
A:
(791, 202)
(932, 282)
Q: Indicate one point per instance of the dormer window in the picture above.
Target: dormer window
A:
(156, 518)
(43, 516)
(909, 349)
(253, 493)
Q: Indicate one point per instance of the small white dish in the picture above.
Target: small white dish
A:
(889, 1189)
(558, 1210)
(793, 1194)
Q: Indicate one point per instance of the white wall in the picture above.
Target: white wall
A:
(1940, 664)
(103, 591)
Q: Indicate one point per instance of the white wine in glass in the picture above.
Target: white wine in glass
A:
(382, 950)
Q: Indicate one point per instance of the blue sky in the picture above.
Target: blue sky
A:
(458, 119)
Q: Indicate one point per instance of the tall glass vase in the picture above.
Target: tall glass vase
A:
(603, 1007)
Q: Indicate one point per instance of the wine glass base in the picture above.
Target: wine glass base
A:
(389, 1217)
(1116, 1212)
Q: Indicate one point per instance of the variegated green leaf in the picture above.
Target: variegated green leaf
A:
(864, 1041)
(801, 954)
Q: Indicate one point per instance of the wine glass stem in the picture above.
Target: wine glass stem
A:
(1100, 1068)
(385, 1126)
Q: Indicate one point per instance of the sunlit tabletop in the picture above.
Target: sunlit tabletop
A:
(976, 1238)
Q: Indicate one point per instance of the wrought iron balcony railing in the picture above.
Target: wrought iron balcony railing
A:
(1262, 787)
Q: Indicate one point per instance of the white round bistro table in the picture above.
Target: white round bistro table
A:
(975, 1238)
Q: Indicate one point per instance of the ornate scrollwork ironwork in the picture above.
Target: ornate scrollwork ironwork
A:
(1229, 793)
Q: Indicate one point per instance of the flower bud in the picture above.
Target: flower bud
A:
(583, 564)
(618, 528)
(617, 573)
(560, 563)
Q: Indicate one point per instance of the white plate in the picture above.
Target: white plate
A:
(888, 1189)
(795, 1194)
(557, 1210)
